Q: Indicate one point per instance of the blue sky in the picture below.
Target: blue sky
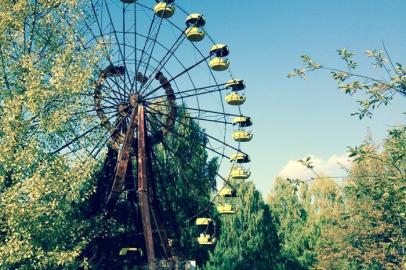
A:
(294, 118)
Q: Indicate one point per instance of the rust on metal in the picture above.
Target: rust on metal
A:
(117, 138)
(143, 187)
(170, 95)
(122, 162)
(163, 236)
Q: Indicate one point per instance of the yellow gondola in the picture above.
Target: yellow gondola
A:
(206, 239)
(240, 158)
(124, 251)
(195, 34)
(164, 9)
(226, 208)
(227, 192)
(234, 98)
(242, 136)
(195, 19)
(203, 221)
(242, 121)
(195, 22)
(238, 172)
(235, 85)
(219, 64)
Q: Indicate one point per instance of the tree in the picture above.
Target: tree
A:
(289, 203)
(369, 233)
(186, 178)
(376, 92)
(41, 71)
(301, 212)
(247, 239)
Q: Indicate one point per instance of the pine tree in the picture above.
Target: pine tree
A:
(289, 202)
(247, 239)
(301, 212)
(185, 181)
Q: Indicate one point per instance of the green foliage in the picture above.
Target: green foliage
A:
(360, 225)
(289, 202)
(369, 233)
(363, 227)
(185, 181)
(375, 92)
(247, 239)
(41, 226)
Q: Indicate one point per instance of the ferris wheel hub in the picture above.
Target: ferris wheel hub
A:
(134, 100)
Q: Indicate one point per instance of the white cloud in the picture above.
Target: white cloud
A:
(329, 167)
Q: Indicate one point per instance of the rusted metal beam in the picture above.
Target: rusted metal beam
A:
(143, 187)
(163, 237)
(122, 162)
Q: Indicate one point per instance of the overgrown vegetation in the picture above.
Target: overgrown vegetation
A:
(50, 214)
(357, 225)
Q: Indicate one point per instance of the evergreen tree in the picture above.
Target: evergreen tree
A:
(289, 202)
(301, 212)
(186, 178)
(248, 238)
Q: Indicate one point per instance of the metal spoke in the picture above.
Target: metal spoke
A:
(187, 138)
(178, 75)
(118, 42)
(112, 133)
(152, 50)
(146, 41)
(194, 118)
(191, 90)
(79, 137)
(101, 34)
(176, 156)
(161, 65)
(195, 109)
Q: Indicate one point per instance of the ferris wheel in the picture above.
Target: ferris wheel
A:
(160, 75)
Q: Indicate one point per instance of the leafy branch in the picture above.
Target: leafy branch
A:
(397, 151)
(308, 163)
(377, 92)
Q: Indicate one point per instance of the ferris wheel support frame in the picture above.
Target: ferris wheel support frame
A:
(147, 193)
(144, 189)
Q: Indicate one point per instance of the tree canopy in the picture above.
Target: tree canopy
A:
(358, 224)
(247, 239)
